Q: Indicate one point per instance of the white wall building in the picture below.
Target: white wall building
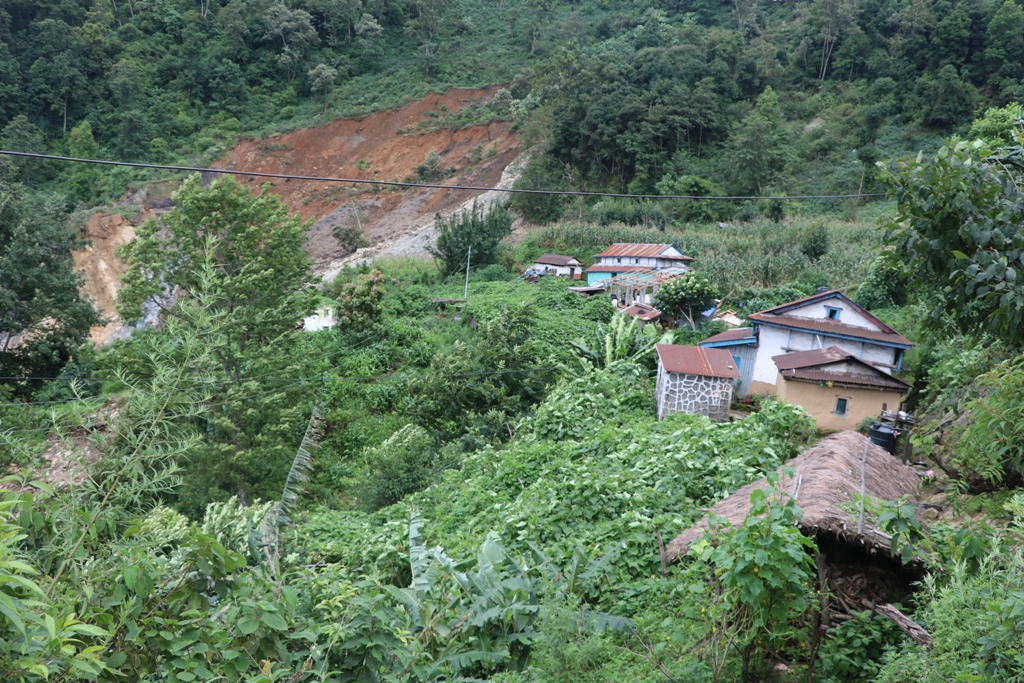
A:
(631, 258)
(556, 264)
(820, 321)
(323, 319)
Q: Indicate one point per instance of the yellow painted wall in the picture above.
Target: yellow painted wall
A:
(820, 402)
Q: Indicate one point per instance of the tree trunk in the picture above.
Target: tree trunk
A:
(910, 627)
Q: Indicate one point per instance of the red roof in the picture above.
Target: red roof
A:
(693, 360)
(730, 335)
(645, 313)
(807, 366)
(782, 309)
(648, 250)
(599, 268)
(806, 359)
(880, 381)
(557, 260)
(831, 327)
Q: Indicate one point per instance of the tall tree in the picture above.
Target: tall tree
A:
(43, 316)
(82, 145)
(57, 76)
(1005, 51)
(242, 254)
(957, 225)
(473, 234)
(758, 145)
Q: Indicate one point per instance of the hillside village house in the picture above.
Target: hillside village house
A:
(636, 258)
(835, 387)
(694, 380)
(742, 346)
(556, 264)
(817, 322)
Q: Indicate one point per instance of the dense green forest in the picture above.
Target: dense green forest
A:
(661, 96)
(479, 492)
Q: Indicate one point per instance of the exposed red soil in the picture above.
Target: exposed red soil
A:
(376, 147)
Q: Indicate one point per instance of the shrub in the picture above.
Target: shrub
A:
(854, 649)
(476, 233)
(433, 168)
(643, 213)
(350, 237)
(815, 242)
(360, 302)
(884, 287)
(396, 468)
(542, 173)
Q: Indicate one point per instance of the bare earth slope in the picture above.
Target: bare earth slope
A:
(375, 146)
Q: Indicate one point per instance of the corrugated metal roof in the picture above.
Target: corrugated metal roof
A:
(731, 335)
(822, 296)
(618, 269)
(645, 313)
(647, 250)
(693, 360)
(557, 260)
(808, 366)
(807, 359)
(830, 327)
(881, 381)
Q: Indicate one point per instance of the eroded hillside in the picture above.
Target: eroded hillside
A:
(379, 146)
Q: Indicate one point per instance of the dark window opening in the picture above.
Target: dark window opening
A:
(840, 406)
(832, 313)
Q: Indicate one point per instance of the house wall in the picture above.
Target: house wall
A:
(561, 271)
(819, 311)
(745, 356)
(775, 341)
(820, 402)
(680, 393)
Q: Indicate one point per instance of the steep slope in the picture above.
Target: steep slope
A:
(375, 146)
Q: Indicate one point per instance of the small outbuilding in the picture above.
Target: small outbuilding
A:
(838, 389)
(837, 484)
(558, 265)
(695, 380)
(642, 312)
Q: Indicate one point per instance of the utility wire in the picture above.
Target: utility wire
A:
(432, 186)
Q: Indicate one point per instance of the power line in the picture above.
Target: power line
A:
(431, 186)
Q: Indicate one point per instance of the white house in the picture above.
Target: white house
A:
(556, 264)
(323, 319)
(633, 258)
(694, 380)
(817, 322)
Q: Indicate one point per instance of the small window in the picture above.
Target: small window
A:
(636, 260)
(618, 260)
(840, 406)
(738, 361)
(832, 313)
(898, 359)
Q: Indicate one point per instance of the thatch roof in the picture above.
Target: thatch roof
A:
(826, 479)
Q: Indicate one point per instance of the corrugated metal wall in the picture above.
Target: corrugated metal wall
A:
(744, 355)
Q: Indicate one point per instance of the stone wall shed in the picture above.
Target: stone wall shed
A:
(695, 380)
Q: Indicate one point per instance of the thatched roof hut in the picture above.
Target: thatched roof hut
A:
(827, 483)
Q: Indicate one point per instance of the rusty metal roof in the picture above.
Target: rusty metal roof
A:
(737, 334)
(645, 313)
(807, 359)
(881, 381)
(808, 366)
(782, 309)
(599, 268)
(557, 260)
(647, 250)
(824, 326)
(693, 360)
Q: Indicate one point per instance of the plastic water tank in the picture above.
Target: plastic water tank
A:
(884, 435)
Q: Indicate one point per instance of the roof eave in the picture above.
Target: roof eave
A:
(895, 345)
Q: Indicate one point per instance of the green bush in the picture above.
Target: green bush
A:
(399, 466)
(853, 650)
(884, 287)
(815, 242)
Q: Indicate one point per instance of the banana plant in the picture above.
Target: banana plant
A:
(621, 339)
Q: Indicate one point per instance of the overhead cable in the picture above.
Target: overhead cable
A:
(431, 186)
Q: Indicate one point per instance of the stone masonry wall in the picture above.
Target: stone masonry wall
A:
(679, 393)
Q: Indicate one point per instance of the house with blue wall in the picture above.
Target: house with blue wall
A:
(635, 258)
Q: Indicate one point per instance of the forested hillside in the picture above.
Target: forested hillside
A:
(466, 478)
(657, 96)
